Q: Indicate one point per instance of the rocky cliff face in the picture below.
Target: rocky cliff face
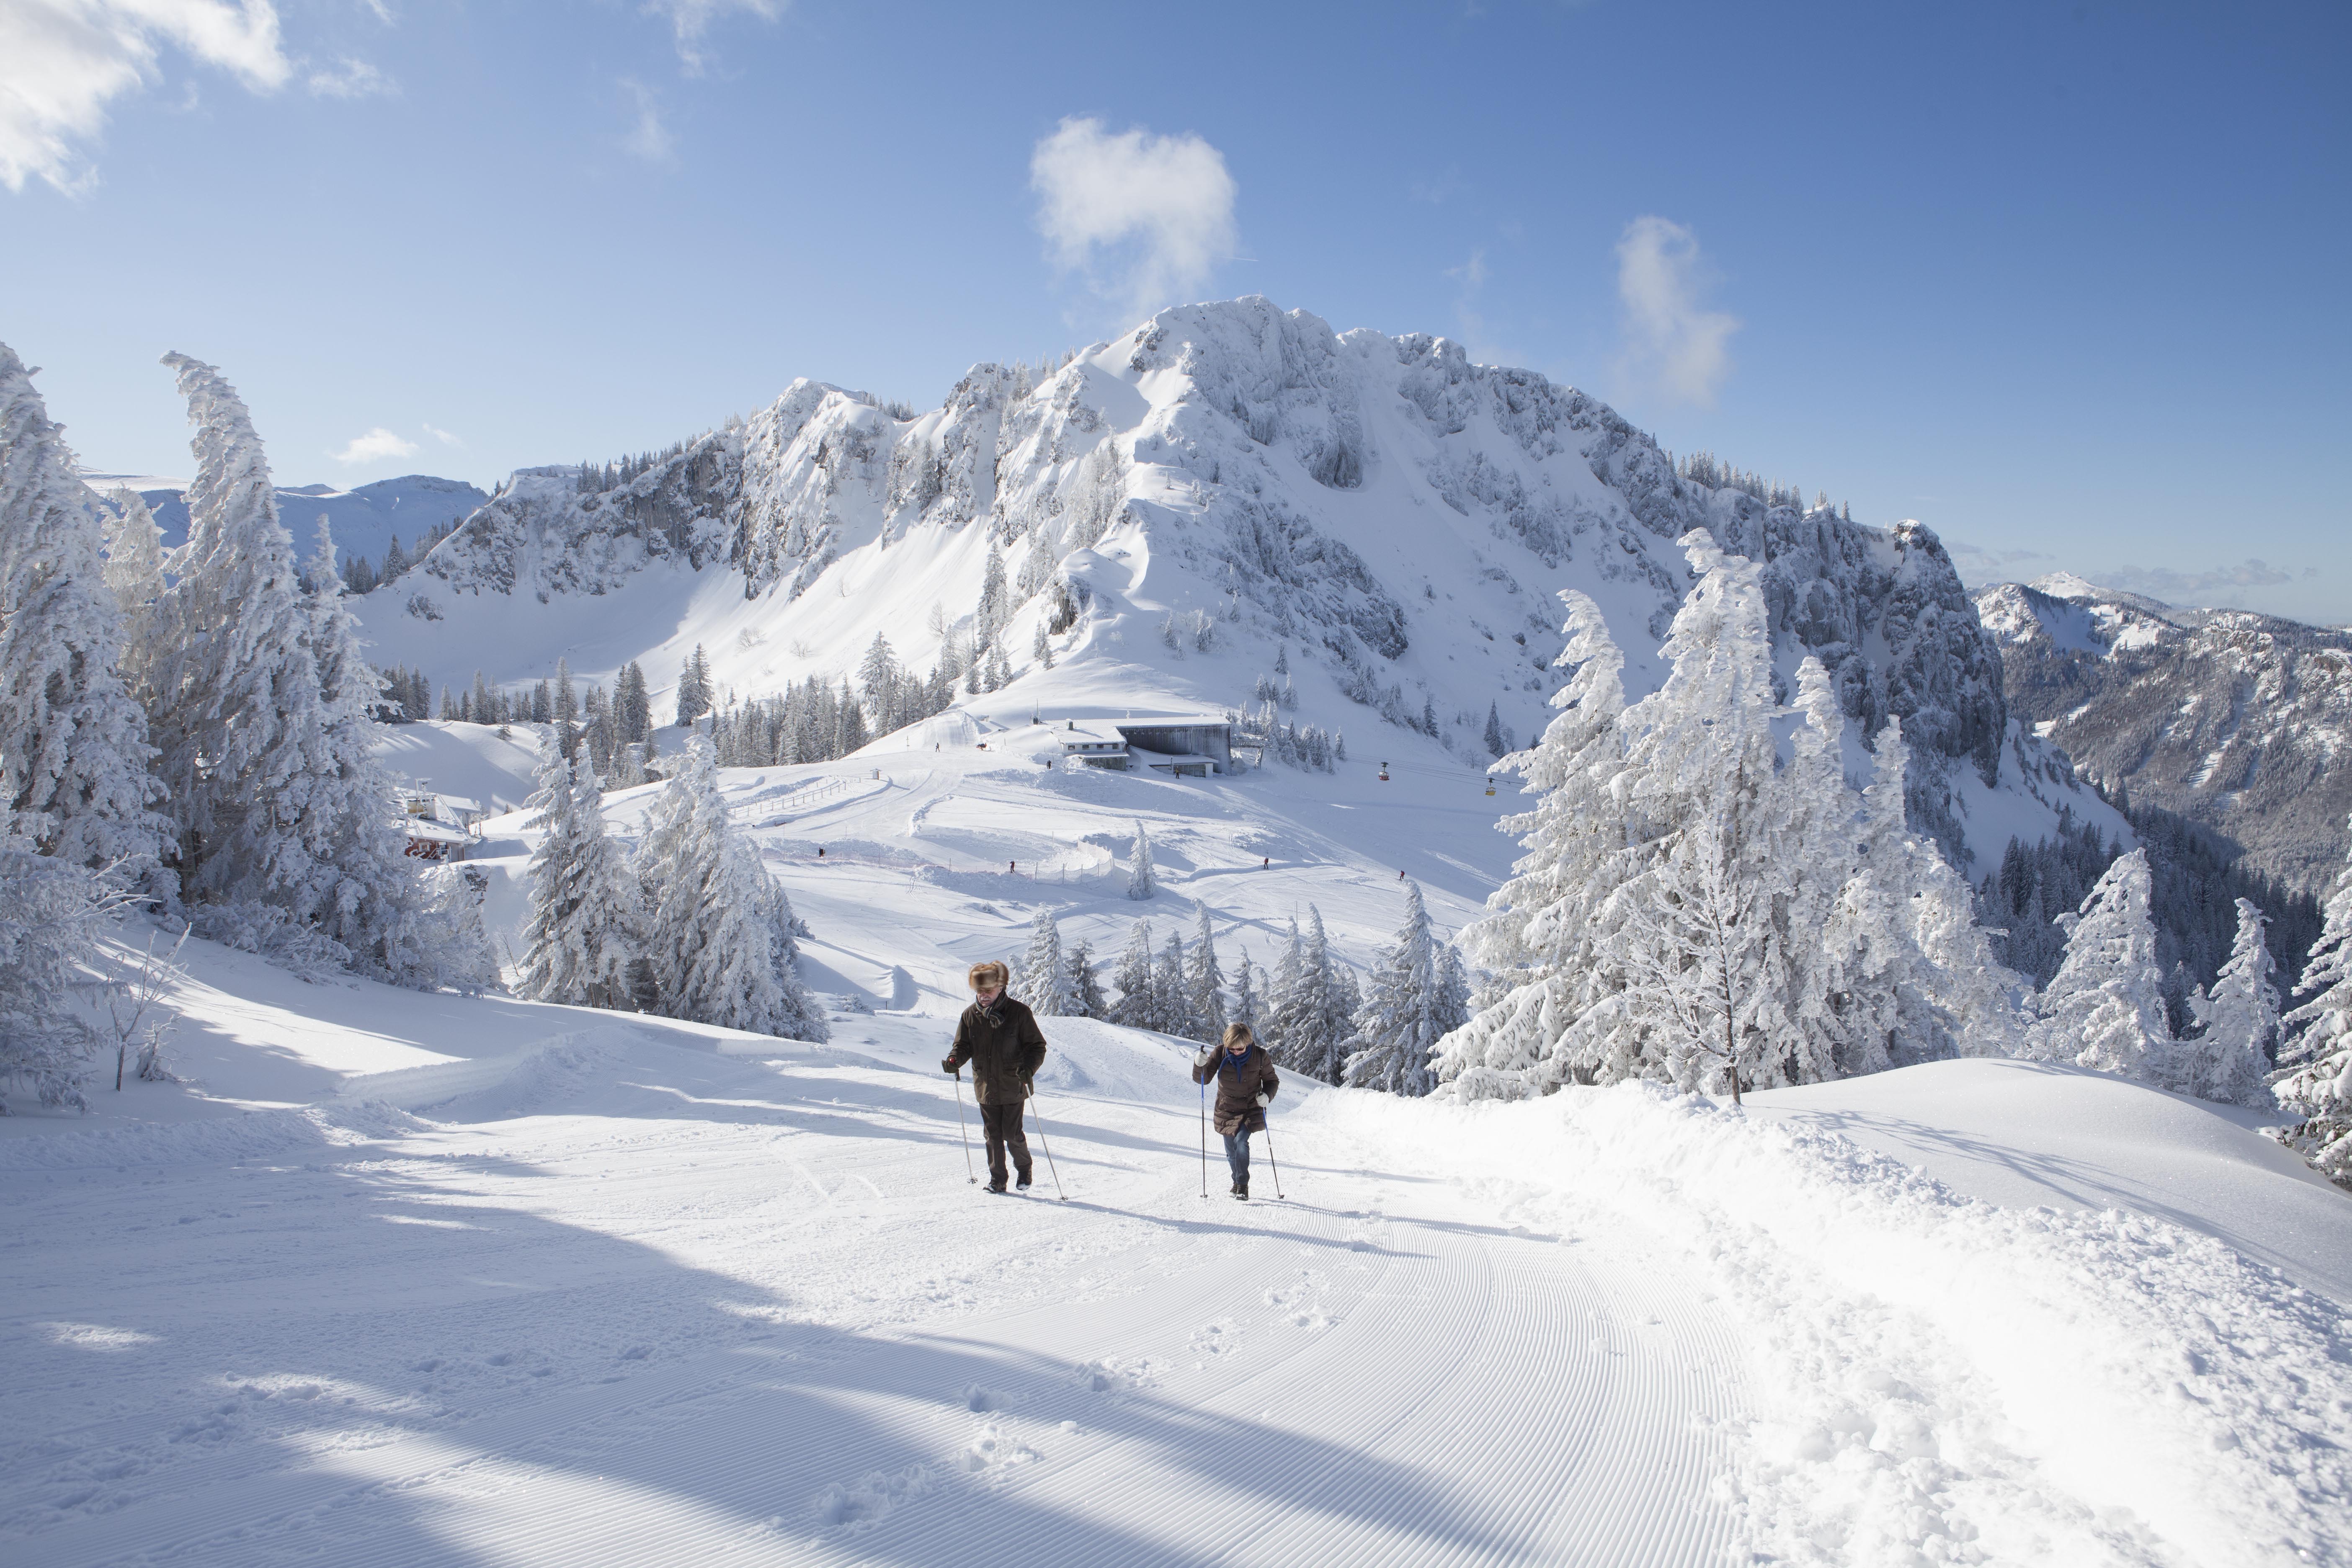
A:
(1403, 513)
(2237, 721)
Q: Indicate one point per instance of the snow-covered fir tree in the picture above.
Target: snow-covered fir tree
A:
(1245, 994)
(1311, 1013)
(73, 741)
(577, 941)
(2314, 1083)
(718, 931)
(1548, 924)
(1139, 882)
(694, 693)
(1174, 1002)
(995, 605)
(52, 913)
(136, 562)
(1086, 985)
(1205, 982)
(1451, 1008)
(1398, 1026)
(1137, 1007)
(2229, 1058)
(1042, 980)
(261, 719)
(2105, 1008)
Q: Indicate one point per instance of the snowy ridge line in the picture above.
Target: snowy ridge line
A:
(248, 1134)
(1943, 1378)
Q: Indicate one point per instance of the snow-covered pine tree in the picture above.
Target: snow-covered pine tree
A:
(1549, 921)
(1139, 883)
(577, 941)
(1274, 1004)
(2105, 1008)
(1703, 964)
(1174, 1004)
(1245, 994)
(995, 602)
(2314, 1082)
(1397, 1025)
(135, 565)
(1041, 647)
(694, 693)
(2230, 1059)
(73, 741)
(1850, 981)
(718, 930)
(563, 711)
(1494, 747)
(1043, 982)
(1451, 1009)
(262, 722)
(51, 914)
(1137, 1007)
(1086, 986)
(1313, 1014)
(1204, 982)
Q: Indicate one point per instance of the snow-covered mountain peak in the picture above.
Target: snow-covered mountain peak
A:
(1225, 486)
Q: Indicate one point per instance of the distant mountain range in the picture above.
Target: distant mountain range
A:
(365, 519)
(2237, 721)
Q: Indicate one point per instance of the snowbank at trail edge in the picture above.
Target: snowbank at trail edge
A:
(1937, 1379)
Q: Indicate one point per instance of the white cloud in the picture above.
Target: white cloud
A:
(375, 446)
(650, 138)
(442, 436)
(689, 19)
(63, 61)
(352, 79)
(1670, 343)
(1155, 212)
(2164, 583)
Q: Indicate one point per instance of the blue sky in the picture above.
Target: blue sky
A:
(2066, 282)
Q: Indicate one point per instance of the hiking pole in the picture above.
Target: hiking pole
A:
(1042, 1143)
(967, 1175)
(1204, 1139)
(1270, 1159)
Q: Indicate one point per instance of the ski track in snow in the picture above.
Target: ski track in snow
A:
(719, 1311)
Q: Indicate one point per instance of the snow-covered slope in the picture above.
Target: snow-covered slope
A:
(1394, 517)
(420, 1281)
(364, 518)
(2237, 720)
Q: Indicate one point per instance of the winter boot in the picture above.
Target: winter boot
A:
(1022, 1181)
(1241, 1190)
(996, 1187)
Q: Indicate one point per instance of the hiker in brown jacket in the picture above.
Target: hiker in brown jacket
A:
(1000, 1037)
(1246, 1084)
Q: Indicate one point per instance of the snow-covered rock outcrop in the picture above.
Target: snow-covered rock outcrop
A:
(2237, 720)
(1380, 506)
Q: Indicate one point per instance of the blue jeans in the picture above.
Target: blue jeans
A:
(1237, 1153)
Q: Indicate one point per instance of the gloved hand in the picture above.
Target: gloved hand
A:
(1207, 1055)
(1264, 1100)
(948, 1064)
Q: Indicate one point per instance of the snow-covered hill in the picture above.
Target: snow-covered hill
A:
(365, 519)
(2237, 720)
(1223, 485)
(421, 1281)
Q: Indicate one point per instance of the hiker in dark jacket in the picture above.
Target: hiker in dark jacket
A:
(1000, 1039)
(1245, 1086)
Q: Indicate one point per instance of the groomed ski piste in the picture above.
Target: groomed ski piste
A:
(423, 1279)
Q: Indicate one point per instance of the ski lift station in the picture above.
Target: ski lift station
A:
(1181, 746)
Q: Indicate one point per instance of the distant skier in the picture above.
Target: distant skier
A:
(1000, 1037)
(1246, 1085)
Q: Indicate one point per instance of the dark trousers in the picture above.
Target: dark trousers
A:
(1237, 1154)
(1002, 1126)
